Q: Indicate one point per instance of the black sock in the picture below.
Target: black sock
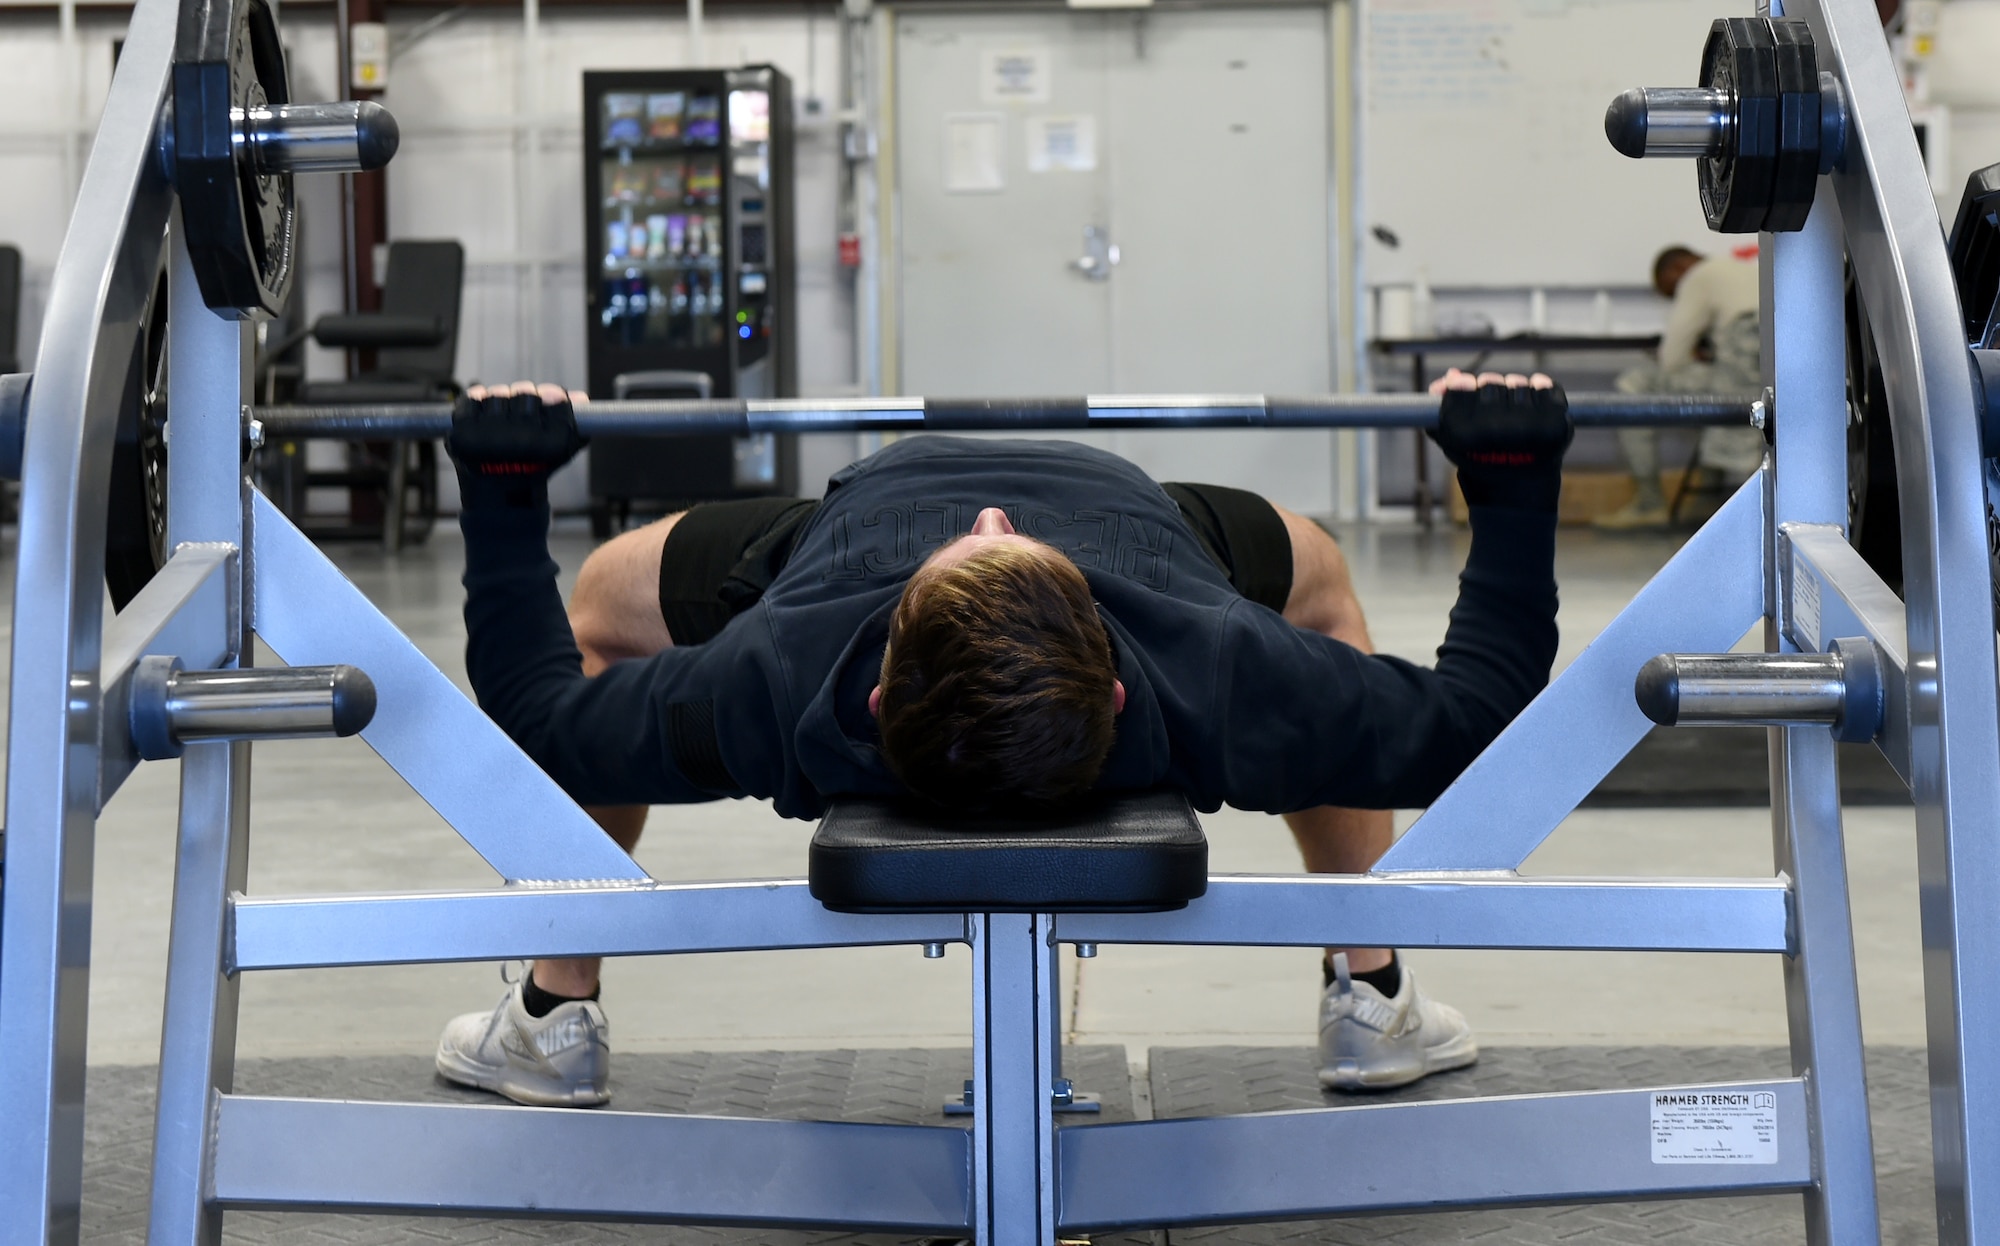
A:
(1388, 979)
(540, 1003)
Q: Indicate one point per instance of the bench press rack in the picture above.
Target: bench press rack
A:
(1775, 552)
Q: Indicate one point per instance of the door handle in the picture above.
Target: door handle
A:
(1100, 254)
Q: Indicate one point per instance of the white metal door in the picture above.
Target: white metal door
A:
(992, 302)
(1207, 172)
(1219, 193)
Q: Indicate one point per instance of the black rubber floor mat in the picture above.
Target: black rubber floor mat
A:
(1728, 767)
(1207, 1081)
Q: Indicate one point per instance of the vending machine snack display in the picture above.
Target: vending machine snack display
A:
(689, 271)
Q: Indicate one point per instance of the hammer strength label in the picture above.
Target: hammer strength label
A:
(1715, 1127)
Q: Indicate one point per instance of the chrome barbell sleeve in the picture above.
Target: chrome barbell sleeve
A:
(172, 708)
(1671, 121)
(318, 138)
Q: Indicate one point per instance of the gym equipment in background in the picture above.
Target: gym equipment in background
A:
(1919, 682)
(633, 467)
(688, 262)
(413, 344)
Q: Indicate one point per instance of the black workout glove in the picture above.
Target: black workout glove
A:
(506, 448)
(1507, 443)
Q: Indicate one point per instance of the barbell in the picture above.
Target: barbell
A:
(746, 417)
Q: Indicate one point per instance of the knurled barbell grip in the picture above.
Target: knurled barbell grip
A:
(1841, 688)
(172, 707)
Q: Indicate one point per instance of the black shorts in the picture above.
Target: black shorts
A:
(721, 556)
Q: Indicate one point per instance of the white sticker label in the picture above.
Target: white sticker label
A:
(1715, 1127)
(1805, 609)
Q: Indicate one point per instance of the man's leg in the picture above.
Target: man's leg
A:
(1642, 455)
(547, 1041)
(1333, 840)
(614, 614)
(1376, 1029)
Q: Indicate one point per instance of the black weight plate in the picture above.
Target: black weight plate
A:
(1740, 59)
(1974, 244)
(1797, 173)
(1990, 470)
(240, 223)
(1975, 256)
(135, 527)
(1874, 514)
(135, 530)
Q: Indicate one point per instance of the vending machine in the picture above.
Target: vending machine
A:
(688, 246)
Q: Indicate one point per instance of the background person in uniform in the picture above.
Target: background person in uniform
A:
(1712, 345)
(995, 624)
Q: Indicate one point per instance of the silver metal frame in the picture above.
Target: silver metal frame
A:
(1775, 552)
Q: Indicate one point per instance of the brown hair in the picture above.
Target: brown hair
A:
(996, 686)
(1670, 258)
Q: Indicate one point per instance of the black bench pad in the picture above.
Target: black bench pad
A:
(1142, 853)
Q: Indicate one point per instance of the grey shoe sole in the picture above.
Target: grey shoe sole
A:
(455, 1067)
(1350, 1078)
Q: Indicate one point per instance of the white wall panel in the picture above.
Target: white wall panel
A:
(460, 95)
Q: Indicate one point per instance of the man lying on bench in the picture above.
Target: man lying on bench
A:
(995, 623)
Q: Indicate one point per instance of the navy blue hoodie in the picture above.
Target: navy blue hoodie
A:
(1224, 699)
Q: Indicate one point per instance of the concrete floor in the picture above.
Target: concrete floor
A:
(330, 817)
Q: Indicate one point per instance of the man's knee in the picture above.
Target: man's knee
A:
(614, 613)
(1322, 598)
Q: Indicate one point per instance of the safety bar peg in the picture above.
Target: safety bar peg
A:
(1842, 688)
(172, 707)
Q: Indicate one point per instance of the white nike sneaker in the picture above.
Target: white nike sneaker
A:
(562, 1060)
(1370, 1042)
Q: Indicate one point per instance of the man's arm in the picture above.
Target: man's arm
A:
(642, 732)
(1311, 721)
(626, 736)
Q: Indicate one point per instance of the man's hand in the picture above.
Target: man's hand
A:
(508, 440)
(1506, 435)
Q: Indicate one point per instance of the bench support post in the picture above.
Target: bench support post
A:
(1013, 1147)
(1824, 1000)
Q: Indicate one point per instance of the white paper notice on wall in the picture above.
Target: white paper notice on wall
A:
(975, 153)
(1062, 144)
(368, 55)
(1014, 76)
(1715, 1127)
